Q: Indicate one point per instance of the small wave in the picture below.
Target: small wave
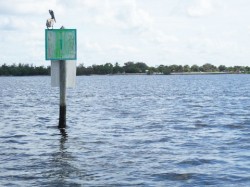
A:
(197, 162)
(195, 179)
(235, 126)
(199, 124)
(15, 142)
(174, 176)
(13, 136)
(44, 119)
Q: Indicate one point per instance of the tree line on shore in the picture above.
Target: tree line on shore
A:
(127, 68)
(23, 70)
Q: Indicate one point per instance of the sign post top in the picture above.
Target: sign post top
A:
(60, 44)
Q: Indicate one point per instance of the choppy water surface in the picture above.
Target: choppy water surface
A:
(127, 131)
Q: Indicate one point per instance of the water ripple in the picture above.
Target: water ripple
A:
(126, 131)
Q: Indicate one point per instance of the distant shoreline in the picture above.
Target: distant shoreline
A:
(138, 74)
(129, 68)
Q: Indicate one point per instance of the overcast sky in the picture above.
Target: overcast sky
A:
(152, 31)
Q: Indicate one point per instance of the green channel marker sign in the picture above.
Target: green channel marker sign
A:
(60, 44)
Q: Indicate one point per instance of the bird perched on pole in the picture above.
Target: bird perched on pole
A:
(50, 22)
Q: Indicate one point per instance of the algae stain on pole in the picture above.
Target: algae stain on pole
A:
(61, 49)
(62, 111)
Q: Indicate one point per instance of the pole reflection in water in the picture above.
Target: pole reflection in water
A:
(63, 139)
(65, 171)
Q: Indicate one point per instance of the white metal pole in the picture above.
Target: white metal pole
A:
(62, 113)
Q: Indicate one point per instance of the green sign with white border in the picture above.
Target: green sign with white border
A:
(60, 44)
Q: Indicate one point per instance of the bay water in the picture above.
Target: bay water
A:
(133, 130)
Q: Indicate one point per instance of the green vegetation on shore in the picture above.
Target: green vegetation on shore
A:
(127, 68)
(23, 70)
